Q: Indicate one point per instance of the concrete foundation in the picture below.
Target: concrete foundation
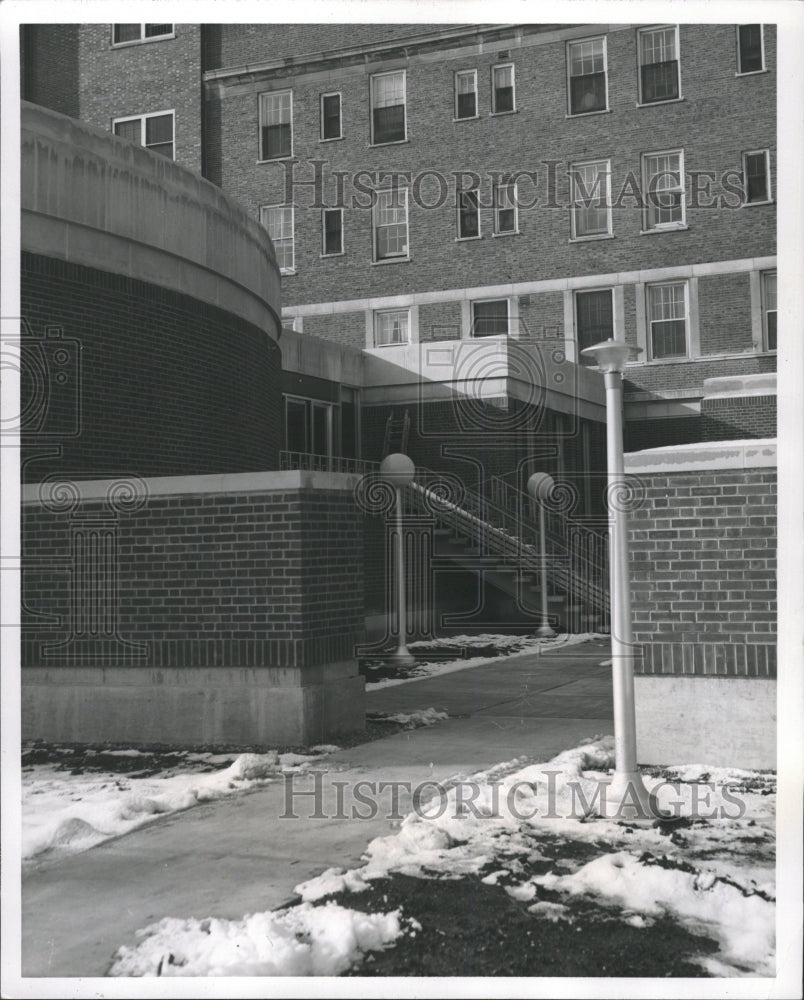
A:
(723, 721)
(234, 706)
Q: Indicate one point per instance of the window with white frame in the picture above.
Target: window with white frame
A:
(332, 231)
(391, 224)
(126, 34)
(468, 215)
(505, 209)
(331, 127)
(756, 177)
(391, 326)
(502, 89)
(586, 68)
(490, 318)
(388, 107)
(591, 204)
(154, 131)
(276, 125)
(594, 320)
(278, 220)
(750, 49)
(663, 189)
(659, 75)
(667, 320)
(466, 93)
(769, 309)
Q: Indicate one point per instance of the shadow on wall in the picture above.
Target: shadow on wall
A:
(43, 46)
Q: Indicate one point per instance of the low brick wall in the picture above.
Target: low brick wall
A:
(258, 575)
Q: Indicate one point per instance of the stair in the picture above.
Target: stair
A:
(397, 429)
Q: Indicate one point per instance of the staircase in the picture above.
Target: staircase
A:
(397, 429)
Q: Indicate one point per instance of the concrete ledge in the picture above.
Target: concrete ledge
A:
(191, 707)
(723, 721)
(726, 387)
(747, 454)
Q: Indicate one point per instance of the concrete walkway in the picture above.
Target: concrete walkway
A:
(241, 855)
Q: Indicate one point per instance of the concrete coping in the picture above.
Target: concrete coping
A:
(48, 492)
(758, 453)
(728, 386)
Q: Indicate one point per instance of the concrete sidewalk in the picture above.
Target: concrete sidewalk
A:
(241, 855)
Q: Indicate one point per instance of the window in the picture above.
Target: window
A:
(663, 186)
(505, 209)
(591, 211)
(756, 174)
(502, 89)
(468, 216)
(276, 125)
(332, 227)
(278, 220)
(391, 224)
(490, 318)
(388, 108)
(154, 131)
(586, 62)
(466, 94)
(125, 34)
(769, 309)
(391, 326)
(308, 426)
(658, 65)
(667, 316)
(331, 116)
(594, 321)
(750, 48)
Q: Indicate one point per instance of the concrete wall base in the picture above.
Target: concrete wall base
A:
(233, 706)
(723, 721)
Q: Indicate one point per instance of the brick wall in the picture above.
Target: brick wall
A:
(738, 417)
(703, 573)
(169, 385)
(225, 579)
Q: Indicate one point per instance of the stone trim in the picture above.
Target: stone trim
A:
(752, 454)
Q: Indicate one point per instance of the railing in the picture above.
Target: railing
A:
(300, 460)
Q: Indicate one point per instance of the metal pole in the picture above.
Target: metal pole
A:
(545, 630)
(402, 652)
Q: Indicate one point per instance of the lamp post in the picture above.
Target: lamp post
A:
(626, 784)
(398, 470)
(540, 486)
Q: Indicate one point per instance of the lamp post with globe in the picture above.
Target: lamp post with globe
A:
(398, 471)
(540, 486)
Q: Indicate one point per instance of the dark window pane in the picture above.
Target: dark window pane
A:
(503, 99)
(389, 124)
(158, 129)
(467, 105)
(772, 330)
(469, 215)
(333, 242)
(750, 48)
(154, 30)
(756, 180)
(660, 81)
(332, 117)
(127, 32)
(296, 425)
(595, 320)
(588, 93)
(506, 221)
(491, 318)
(131, 130)
(668, 339)
(275, 141)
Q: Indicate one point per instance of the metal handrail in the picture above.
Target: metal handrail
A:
(307, 462)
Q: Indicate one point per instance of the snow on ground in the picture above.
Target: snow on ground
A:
(67, 813)
(514, 645)
(410, 720)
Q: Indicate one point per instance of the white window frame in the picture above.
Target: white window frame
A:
(763, 278)
(494, 68)
(260, 150)
(650, 321)
(376, 259)
(332, 138)
(324, 251)
(142, 119)
(570, 45)
(476, 193)
(641, 32)
(472, 318)
(374, 77)
(142, 40)
(606, 164)
(674, 224)
(390, 312)
(473, 74)
(750, 72)
(769, 199)
(494, 197)
(264, 209)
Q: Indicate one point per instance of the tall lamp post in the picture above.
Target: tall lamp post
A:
(540, 486)
(626, 785)
(398, 470)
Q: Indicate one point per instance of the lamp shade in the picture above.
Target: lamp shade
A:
(611, 355)
(540, 486)
(397, 469)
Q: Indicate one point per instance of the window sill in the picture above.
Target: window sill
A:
(753, 72)
(276, 159)
(757, 204)
(468, 239)
(586, 114)
(591, 239)
(142, 41)
(287, 270)
(390, 260)
(334, 138)
(326, 256)
(513, 232)
(468, 118)
(653, 104)
(393, 142)
(675, 228)
(397, 343)
(502, 114)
